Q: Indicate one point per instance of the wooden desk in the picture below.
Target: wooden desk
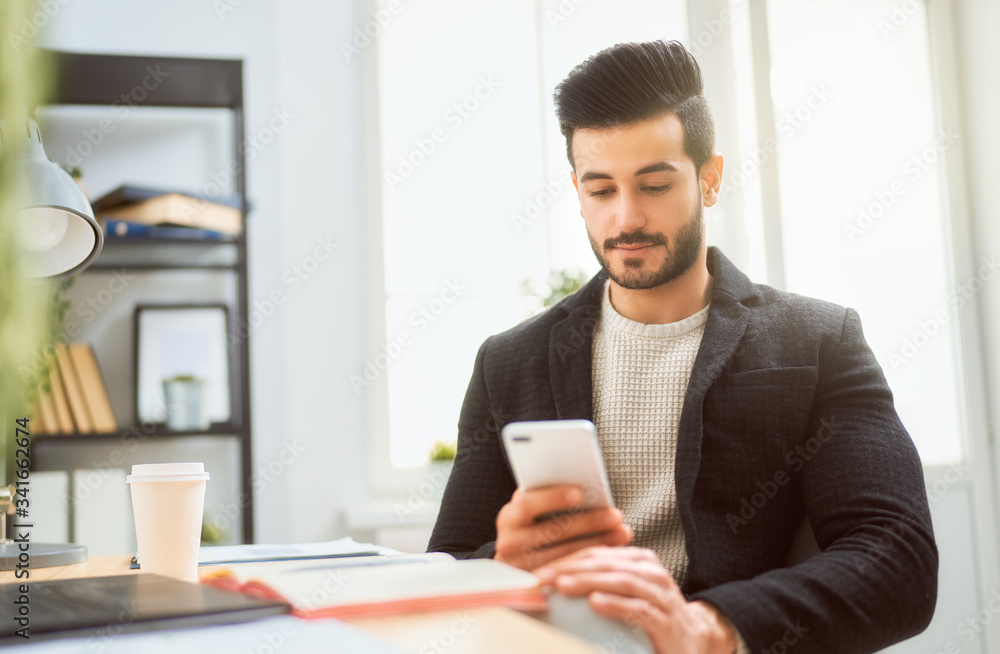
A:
(480, 631)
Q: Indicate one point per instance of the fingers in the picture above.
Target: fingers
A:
(525, 541)
(530, 547)
(525, 506)
(657, 588)
(538, 556)
(598, 558)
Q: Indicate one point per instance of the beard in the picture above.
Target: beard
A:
(678, 261)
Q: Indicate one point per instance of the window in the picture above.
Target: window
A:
(475, 194)
(864, 208)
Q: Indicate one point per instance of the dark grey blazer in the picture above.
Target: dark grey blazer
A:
(787, 415)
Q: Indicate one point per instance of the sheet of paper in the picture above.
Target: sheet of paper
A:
(244, 553)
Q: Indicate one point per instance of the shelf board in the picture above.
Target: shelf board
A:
(168, 254)
(159, 431)
(142, 240)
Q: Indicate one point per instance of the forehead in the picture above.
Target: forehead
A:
(630, 147)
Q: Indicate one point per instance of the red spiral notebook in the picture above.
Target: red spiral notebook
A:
(348, 588)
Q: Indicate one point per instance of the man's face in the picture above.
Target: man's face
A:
(641, 199)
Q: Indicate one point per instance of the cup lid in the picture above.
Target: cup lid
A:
(148, 472)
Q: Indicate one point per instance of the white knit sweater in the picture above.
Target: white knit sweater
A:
(640, 375)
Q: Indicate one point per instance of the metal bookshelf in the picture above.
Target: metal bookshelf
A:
(98, 79)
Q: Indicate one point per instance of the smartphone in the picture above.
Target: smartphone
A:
(550, 452)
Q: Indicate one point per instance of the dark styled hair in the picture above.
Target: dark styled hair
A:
(631, 82)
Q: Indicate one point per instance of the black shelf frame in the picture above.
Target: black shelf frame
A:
(159, 431)
(101, 80)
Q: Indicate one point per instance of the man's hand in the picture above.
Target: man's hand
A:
(630, 584)
(525, 542)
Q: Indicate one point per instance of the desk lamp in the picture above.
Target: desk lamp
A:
(55, 228)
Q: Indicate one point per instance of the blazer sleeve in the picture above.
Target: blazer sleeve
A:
(480, 483)
(875, 580)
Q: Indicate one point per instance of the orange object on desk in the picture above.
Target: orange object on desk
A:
(383, 585)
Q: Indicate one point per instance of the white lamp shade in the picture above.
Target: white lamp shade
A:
(55, 225)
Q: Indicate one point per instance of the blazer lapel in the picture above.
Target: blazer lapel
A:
(724, 329)
(571, 353)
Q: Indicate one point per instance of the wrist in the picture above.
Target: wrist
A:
(722, 635)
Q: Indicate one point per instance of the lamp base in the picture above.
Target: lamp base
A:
(42, 555)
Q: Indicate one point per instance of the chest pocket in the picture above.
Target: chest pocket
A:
(761, 411)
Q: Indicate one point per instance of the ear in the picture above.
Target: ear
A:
(576, 185)
(710, 179)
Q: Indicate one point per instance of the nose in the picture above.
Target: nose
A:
(629, 216)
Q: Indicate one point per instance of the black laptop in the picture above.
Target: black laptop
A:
(107, 606)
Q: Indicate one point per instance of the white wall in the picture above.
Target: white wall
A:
(303, 186)
(978, 52)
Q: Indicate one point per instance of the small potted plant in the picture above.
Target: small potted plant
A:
(442, 456)
(186, 402)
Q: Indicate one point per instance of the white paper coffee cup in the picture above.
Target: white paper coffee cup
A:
(168, 500)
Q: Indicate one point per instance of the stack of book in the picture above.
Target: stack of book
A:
(131, 212)
(73, 398)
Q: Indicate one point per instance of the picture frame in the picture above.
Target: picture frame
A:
(182, 339)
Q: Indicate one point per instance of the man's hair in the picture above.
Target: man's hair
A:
(631, 82)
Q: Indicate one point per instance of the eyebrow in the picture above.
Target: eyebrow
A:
(659, 167)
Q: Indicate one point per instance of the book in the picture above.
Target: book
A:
(383, 585)
(131, 193)
(170, 208)
(74, 392)
(63, 418)
(95, 394)
(47, 411)
(124, 229)
(36, 421)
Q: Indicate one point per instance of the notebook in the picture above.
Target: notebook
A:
(106, 606)
(349, 588)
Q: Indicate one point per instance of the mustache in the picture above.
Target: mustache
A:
(635, 238)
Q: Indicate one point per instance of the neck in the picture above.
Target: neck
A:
(670, 302)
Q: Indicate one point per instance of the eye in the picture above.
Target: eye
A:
(600, 194)
(656, 190)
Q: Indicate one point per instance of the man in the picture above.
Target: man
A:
(728, 412)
